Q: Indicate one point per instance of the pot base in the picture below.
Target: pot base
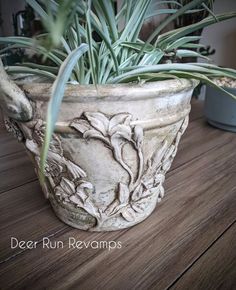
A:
(221, 126)
(82, 222)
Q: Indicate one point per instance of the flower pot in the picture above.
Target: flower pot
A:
(220, 108)
(111, 148)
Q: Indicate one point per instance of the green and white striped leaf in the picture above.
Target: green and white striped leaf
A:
(57, 96)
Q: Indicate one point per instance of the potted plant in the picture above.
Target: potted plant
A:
(102, 153)
(219, 107)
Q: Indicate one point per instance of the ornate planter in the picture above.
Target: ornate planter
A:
(111, 149)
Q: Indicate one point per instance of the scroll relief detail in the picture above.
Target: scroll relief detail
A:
(68, 181)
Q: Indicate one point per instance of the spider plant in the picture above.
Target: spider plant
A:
(89, 42)
(202, 11)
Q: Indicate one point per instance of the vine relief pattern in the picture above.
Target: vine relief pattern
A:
(69, 183)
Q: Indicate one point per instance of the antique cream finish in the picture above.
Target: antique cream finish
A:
(111, 148)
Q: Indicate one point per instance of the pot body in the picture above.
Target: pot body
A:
(111, 149)
(220, 108)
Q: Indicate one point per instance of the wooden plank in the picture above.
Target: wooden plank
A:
(199, 138)
(199, 205)
(29, 196)
(9, 145)
(216, 269)
(25, 213)
(197, 110)
(15, 169)
(184, 230)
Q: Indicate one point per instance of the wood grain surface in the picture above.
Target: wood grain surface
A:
(187, 243)
(215, 268)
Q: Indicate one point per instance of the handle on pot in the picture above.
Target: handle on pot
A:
(12, 99)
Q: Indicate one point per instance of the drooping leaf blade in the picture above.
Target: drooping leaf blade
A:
(56, 99)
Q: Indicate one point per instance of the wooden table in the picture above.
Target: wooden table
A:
(187, 243)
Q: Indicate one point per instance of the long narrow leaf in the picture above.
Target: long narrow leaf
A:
(203, 79)
(179, 42)
(27, 70)
(90, 45)
(56, 99)
(160, 27)
(183, 31)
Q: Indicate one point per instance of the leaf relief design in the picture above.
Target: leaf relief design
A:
(115, 132)
(68, 180)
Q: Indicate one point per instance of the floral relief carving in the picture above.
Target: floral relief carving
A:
(58, 168)
(115, 132)
(69, 183)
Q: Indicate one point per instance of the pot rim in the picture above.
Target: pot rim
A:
(111, 92)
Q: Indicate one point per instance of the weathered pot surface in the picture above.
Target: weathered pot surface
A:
(110, 151)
